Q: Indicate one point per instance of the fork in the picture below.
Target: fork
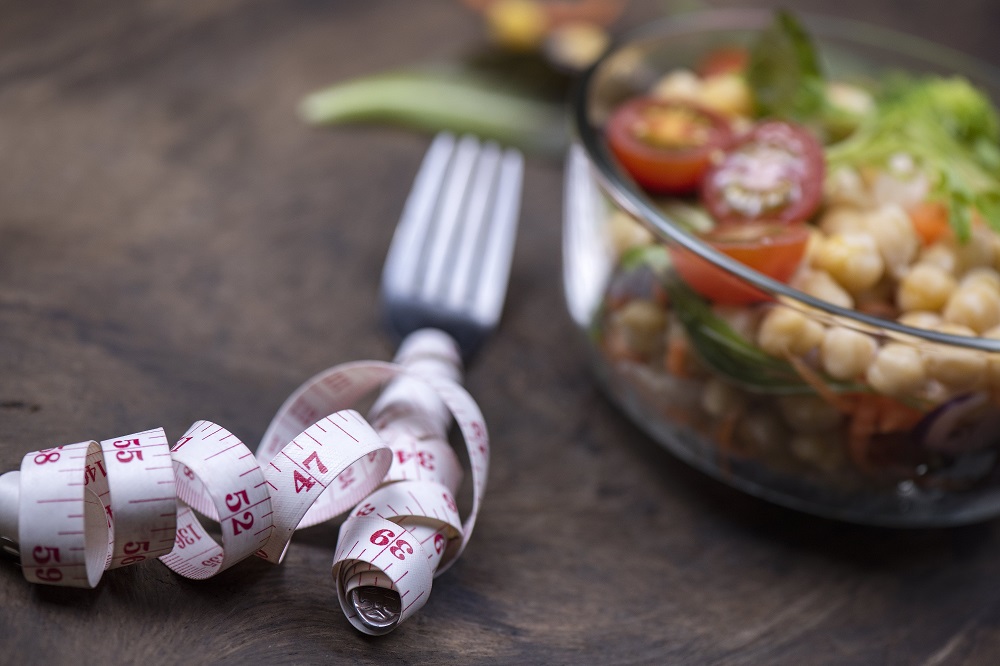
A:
(449, 260)
(447, 270)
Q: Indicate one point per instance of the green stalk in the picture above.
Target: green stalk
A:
(442, 100)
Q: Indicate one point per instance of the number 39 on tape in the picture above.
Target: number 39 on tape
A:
(80, 509)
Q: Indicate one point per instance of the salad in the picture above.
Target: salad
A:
(881, 197)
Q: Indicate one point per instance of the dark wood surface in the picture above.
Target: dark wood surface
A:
(176, 245)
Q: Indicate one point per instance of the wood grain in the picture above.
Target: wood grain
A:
(176, 245)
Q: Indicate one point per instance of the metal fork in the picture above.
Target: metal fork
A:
(447, 269)
(449, 261)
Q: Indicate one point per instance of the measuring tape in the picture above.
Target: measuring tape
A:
(80, 509)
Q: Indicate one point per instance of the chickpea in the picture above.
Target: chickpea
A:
(680, 84)
(727, 94)
(976, 306)
(814, 242)
(644, 323)
(808, 413)
(819, 284)
(925, 287)
(741, 319)
(901, 184)
(761, 431)
(993, 360)
(975, 252)
(895, 237)
(920, 319)
(842, 219)
(852, 259)
(897, 370)
(787, 331)
(822, 450)
(941, 255)
(846, 186)
(957, 368)
(986, 276)
(846, 353)
(720, 398)
(626, 233)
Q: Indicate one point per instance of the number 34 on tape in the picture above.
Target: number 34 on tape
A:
(80, 509)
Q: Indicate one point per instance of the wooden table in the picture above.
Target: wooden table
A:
(176, 245)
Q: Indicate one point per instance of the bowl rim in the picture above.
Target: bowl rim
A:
(634, 201)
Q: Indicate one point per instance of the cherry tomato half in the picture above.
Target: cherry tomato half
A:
(724, 60)
(666, 146)
(770, 248)
(774, 173)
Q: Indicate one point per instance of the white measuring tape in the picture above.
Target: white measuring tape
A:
(80, 509)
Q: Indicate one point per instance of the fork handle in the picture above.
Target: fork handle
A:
(408, 415)
(406, 402)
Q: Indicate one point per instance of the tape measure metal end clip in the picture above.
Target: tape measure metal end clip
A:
(10, 490)
(378, 608)
(9, 550)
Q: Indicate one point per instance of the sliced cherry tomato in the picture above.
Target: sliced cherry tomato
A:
(774, 173)
(666, 146)
(724, 60)
(773, 249)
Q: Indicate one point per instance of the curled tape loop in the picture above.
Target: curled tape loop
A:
(83, 508)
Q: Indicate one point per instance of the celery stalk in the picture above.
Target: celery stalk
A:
(442, 100)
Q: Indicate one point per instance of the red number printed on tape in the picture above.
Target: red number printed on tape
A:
(142, 495)
(304, 474)
(90, 506)
(52, 529)
(374, 551)
(413, 517)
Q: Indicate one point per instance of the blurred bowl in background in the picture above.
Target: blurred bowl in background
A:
(698, 376)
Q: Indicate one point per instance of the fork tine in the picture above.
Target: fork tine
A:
(585, 264)
(440, 239)
(403, 262)
(450, 257)
(491, 289)
(475, 221)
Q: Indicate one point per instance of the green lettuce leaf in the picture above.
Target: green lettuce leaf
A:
(784, 72)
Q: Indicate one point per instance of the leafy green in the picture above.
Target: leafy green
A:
(654, 256)
(952, 132)
(692, 217)
(784, 72)
(727, 352)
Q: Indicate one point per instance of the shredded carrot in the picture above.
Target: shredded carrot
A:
(678, 352)
(930, 221)
(860, 410)
(842, 403)
(894, 416)
(876, 414)
(867, 415)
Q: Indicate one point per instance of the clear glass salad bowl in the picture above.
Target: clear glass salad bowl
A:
(695, 375)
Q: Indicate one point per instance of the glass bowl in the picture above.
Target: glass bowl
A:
(694, 375)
